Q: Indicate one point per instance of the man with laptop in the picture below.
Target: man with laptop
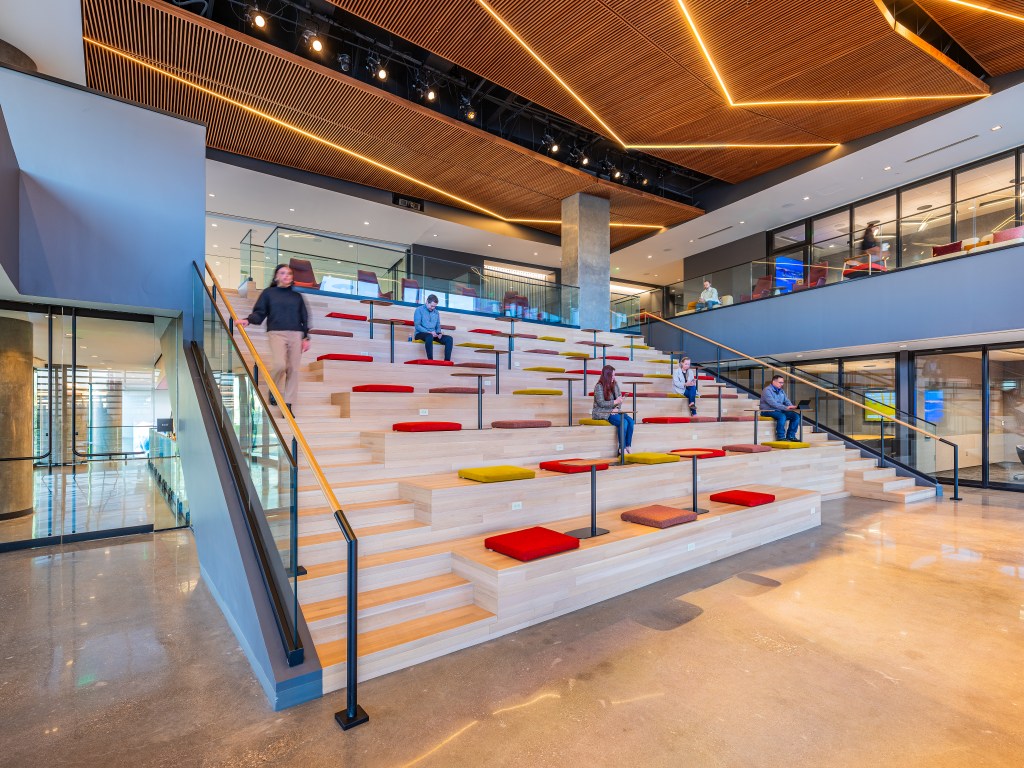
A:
(776, 404)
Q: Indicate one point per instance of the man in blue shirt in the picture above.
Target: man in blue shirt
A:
(774, 403)
(427, 321)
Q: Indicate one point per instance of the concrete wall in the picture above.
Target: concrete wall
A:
(968, 295)
(112, 196)
(9, 185)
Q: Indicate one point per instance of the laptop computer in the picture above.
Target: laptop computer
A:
(803, 404)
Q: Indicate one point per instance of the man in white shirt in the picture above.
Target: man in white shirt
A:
(684, 382)
(708, 297)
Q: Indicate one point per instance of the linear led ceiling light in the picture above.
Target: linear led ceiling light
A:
(985, 9)
(328, 143)
(725, 91)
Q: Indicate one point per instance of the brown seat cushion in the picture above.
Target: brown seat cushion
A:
(328, 332)
(746, 448)
(482, 366)
(541, 351)
(659, 516)
(453, 390)
(737, 418)
(520, 423)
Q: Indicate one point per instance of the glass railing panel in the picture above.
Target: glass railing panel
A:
(978, 217)
(265, 452)
(924, 231)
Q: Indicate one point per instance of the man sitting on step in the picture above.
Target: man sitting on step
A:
(776, 404)
(428, 328)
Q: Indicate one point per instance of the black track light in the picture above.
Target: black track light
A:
(345, 62)
(578, 158)
(606, 168)
(424, 91)
(548, 144)
(466, 109)
(255, 17)
(314, 43)
(378, 71)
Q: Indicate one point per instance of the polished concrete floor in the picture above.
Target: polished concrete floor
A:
(887, 637)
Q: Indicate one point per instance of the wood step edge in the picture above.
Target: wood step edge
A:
(376, 598)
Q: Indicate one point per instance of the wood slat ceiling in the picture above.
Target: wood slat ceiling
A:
(637, 64)
(447, 154)
(996, 42)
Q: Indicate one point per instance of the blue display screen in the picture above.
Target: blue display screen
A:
(787, 271)
(934, 405)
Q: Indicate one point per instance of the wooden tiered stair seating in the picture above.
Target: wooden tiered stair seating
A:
(428, 585)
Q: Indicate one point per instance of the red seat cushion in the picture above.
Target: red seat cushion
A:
(580, 372)
(444, 327)
(349, 358)
(304, 284)
(531, 543)
(520, 424)
(346, 316)
(616, 357)
(429, 362)
(703, 377)
(1008, 234)
(567, 467)
(426, 426)
(862, 269)
(743, 498)
(328, 332)
(667, 420)
(453, 391)
(624, 394)
(945, 250)
(628, 375)
(383, 388)
(700, 453)
(658, 516)
(488, 331)
(702, 419)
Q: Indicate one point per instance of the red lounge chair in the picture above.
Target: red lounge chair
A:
(303, 274)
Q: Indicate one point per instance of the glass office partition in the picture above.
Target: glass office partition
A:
(830, 248)
(926, 220)
(948, 393)
(1006, 417)
(986, 198)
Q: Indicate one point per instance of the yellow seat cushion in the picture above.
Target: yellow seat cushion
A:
(660, 360)
(636, 346)
(651, 458)
(538, 391)
(574, 354)
(785, 444)
(551, 338)
(657, 375)
(418, 341)
(595, 422)
(499, 474)
(473, 345)
(545, 369)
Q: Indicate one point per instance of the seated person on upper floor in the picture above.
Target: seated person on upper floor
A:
(870, 249)
(708, 297)
(427, 321)
(776, 404)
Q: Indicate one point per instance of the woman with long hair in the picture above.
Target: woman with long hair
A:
(287, 331)
(607, 403)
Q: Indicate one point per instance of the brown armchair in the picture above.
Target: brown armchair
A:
(302, 270)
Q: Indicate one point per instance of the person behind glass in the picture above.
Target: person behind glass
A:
(684, 382)
(708, 297)
(870, 248)
(607, 403)
(427, 321)
(776, 404)
(287, 331)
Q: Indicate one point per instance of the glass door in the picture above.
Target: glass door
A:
(86, 425)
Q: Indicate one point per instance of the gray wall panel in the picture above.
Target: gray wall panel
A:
(9, 174)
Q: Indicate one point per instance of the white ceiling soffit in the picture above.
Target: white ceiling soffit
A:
(49, 32)
(946, 343)
(855, 176)
(238, 192)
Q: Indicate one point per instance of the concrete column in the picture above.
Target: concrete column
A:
(15, 416)
(586, 257)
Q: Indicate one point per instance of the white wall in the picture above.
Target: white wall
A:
(49, 32)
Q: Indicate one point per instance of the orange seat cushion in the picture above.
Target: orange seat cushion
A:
(659, 516)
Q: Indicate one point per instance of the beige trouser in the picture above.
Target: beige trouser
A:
(285, 357)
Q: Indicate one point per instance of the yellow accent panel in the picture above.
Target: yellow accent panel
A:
(538, 391)
(550, 338)
(785, 444)
(651, 458)
(499, 474)
(545, 369)
(475, 345)
(595, 422)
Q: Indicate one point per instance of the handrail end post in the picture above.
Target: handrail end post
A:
(956, 474)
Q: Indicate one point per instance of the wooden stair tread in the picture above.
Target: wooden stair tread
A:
(370, 530)
(376, 597)
(334, 652)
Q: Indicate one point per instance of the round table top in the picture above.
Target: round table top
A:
(591, 330)
(479, 375)
(377, 302)
(634, 335)
(713, 384)
(505, 319)
(563, 378)
(634, 382)
(386, 320)
(595, 343)
(586, 462)
(491, 351)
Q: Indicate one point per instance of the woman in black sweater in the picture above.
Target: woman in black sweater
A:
(287, 331)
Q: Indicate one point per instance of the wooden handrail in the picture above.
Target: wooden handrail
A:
(886, 417)
(311, 461)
